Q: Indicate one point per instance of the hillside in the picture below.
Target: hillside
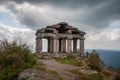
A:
(17, 62)
(52, 70)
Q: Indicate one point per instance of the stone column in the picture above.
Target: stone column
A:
(38, 45)
(48, 44)
(81, 47)
(63, 45)
(59, 45)
(51, 45)
(74, 45)
(55, 44)
(69, 41)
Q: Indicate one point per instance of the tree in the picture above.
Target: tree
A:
(94, 61)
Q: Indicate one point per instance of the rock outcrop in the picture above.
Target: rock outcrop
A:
(34, 74)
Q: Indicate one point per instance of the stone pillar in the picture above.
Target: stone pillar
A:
(69, 42)
(81, 47)
(48, 45)
(63, 45)
(38, 45)
(55, 43)
(51, 45)
(59, 45)
(74, 45)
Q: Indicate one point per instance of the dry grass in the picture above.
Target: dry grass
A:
(69, 61)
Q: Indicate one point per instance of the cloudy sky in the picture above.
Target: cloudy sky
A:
(100, 19)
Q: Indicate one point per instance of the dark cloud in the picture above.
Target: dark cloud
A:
(91, 16)
(97, 13)
(62, 3)
(104, 14)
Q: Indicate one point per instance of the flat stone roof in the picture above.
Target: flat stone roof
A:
(61, 27)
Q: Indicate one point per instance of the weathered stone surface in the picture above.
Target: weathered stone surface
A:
(69, 45)
(63, 45)
(88, 71)
(74, 45)
(38, 45)
(34, 74)
(51, 45)
(59, 36)
(82, 47)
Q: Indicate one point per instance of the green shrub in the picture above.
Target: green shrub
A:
(97, 76)
(14, 58)
(94, 61)
(117, 77)
(94, 67)
(70, 56)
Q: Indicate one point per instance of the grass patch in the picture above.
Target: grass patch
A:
(94, 67)
(60, 78)
(74, 71)
(97, 76)
(69, 61)
(40, 66)
(53, 72)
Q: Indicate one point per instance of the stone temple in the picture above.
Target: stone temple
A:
(61, 37)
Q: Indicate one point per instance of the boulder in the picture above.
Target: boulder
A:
(34, 74)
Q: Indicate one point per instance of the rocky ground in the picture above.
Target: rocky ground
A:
(63, 71)
(35, 74)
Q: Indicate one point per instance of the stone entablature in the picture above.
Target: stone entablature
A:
(59, 36)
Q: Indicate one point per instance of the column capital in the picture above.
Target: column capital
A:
(69, 38)
(55, 37)
(39, 38)
(63, 38)
(75, 38)
(82, 38)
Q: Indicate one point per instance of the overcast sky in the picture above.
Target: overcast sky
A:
(100, 19)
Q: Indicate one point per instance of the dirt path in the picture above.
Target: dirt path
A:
(62, 69)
